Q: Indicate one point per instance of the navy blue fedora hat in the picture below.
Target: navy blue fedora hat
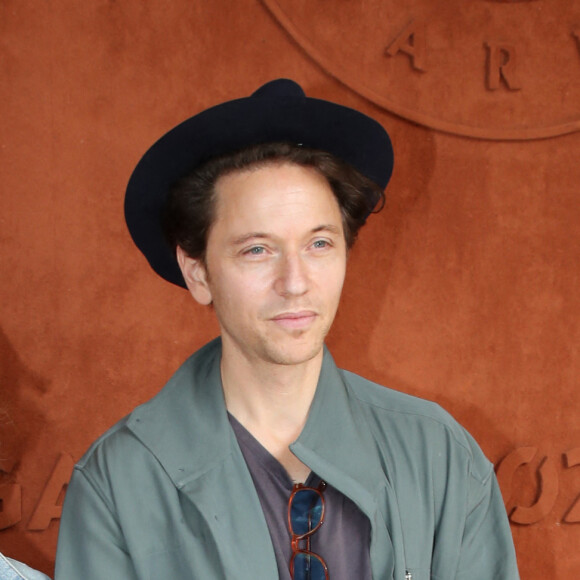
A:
(277, 111)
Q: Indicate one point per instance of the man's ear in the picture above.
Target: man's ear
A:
(195, 276)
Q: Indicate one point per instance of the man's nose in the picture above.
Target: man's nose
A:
(293, 277)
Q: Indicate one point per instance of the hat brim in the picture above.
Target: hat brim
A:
(261, 118)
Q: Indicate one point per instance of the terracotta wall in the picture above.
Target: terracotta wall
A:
(464, 290)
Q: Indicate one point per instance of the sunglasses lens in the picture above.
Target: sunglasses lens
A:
(308, 566)
(305, 511)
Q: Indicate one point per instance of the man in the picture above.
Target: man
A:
(260, 459)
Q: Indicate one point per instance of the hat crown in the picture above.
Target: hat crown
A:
(280, 88)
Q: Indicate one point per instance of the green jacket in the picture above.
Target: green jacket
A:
(166, 494)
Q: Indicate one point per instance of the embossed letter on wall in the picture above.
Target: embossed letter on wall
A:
(549, 475)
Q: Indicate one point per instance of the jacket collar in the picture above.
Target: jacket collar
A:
(193, 400)
(334, 431)
(186, 426)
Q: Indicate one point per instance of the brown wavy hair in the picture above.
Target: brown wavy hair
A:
(190, 207)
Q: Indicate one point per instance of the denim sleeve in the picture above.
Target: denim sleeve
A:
(13, 570)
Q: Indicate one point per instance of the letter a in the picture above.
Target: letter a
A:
(411, 41)
(48, 508)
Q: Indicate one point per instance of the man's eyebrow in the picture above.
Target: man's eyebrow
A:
(262, 235)
(327, 228)
(250, 236)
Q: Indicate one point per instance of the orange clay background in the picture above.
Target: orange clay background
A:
(464, 290)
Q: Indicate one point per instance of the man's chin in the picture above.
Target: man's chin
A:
(296, 355)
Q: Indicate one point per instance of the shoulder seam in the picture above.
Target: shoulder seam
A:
(81, 470)
(439, 422)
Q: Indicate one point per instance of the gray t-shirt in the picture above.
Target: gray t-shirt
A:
(343, 540)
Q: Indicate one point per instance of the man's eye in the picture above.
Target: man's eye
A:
(255, 251)
(320, 244)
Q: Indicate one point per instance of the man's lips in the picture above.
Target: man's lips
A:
(292, 320)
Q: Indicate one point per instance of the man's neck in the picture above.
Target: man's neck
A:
(266, 393)
(271, 401)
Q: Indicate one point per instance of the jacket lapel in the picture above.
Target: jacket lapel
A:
(338, 445)
(186, 427)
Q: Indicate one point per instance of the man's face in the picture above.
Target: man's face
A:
(276, 259)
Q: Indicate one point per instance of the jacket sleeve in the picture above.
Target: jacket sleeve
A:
(487, 548)
(90, 543)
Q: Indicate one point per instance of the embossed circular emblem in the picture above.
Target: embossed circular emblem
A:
(491, 69)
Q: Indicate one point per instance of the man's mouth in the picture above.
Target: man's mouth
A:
(295, 320)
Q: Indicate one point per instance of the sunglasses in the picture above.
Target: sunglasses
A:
(305, 515)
